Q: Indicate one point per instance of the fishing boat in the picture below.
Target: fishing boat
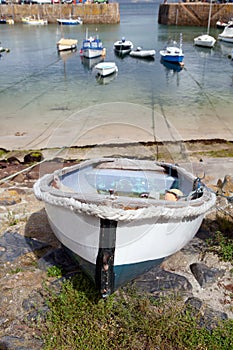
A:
(106, 68)
(173, 52)
(111, 215)
(67, 44)
(34, 21)
(69, 21)
(227, 34)
(140, 53)
(123, 47)
(92, 47)
(206, 40)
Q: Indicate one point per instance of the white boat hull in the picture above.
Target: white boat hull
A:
(205, 41)
(34, 22)
(92, 53)
(227, 34)
(114, 244)
(67, 44)
(70, 21)
(106, 68)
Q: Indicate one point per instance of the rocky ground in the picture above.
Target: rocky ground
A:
(28, 247)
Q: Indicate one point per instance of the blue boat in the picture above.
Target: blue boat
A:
(69, 21)
(173, 53)
(92, 47)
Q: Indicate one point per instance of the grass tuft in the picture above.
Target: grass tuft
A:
(79, 319)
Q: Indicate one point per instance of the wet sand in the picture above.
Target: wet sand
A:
(116, 123)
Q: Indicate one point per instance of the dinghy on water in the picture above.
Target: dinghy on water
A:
(111, 215)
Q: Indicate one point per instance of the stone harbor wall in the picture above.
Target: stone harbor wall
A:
(90, 13)
(193, 13)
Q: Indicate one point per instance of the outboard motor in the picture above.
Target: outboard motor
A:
(198, 187)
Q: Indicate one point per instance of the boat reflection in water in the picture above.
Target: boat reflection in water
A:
(105, 80)
(90, 63)
(66, 55)
(176, 67)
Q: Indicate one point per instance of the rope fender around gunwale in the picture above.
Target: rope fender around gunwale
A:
(118, 214)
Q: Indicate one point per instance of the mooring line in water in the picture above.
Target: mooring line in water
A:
(180, 143)
(209, 100)
(28, 77)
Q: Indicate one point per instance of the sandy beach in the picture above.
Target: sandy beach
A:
(116, 123)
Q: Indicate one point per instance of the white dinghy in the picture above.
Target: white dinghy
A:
(112, 217)
(140, 53)
(106, 68)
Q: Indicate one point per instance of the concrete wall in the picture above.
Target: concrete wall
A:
(90, 13)
(193, 13)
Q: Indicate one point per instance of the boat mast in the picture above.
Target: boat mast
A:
(210, 10)
(181, 41)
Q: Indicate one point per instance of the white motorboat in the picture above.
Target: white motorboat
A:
(69, 21)
(227, 34)
(34, 21)
(106, 68)
(67, 44)
(206, 40)
(123, 47)
(140, 53)
(112, 216)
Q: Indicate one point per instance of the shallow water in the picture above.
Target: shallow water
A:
(39, 88)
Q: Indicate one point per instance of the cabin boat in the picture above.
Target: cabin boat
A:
(92, 47)
(227, 34)
(34, 21)
(123, 47)
(69, 21)
(173, 53)
(111, 215)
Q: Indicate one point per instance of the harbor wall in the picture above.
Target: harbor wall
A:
(193, 13)
(90, 13)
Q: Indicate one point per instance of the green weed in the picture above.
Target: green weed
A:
(54, 271)
(79, 320)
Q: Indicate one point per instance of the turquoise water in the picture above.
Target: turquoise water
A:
(38, 84)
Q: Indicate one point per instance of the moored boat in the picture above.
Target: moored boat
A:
(123, 47)
(227, 34)
(140, 53)
(206, 40)
(106, 68)
(112, 216)
(34, 21)
(69, 21)
(173, 53)
(92, 47)
(67, 44)
(221, 24)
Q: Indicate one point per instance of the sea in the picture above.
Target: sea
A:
(38, 86)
